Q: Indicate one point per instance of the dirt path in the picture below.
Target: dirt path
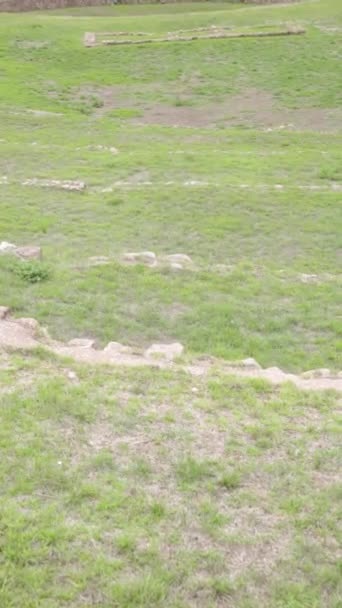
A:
(27, 334)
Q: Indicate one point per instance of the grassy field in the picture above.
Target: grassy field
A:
(137, 489)
(142, 488)
(233, 185)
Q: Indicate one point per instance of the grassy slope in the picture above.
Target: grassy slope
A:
(137, 489)
(131, 489)
(268, 237)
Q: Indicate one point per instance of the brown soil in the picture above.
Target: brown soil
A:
(252, 108)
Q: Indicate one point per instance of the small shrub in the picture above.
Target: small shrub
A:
(230, 480)
(191, 471)
(31, 272)
(222, 587)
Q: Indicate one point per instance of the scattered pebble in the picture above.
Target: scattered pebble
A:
(77, 186)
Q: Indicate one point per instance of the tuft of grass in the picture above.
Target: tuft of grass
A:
(191, 471)
(31, 272)
(230, 480)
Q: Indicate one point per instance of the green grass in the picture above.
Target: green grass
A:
(108, 501)
(263, 203)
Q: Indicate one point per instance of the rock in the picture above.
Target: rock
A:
(89, 39)
(274, 374)
(99, 260)
(81, 343)
(250, 363)
(4, 311)
(110, 149)
(323, 372)
(72, 376)
(116, 348)
(6, 247)
(179, 258)
(165, 351)
(176, 266)
(28, 253)
(308, 278)
(142, 257)
(28, 323)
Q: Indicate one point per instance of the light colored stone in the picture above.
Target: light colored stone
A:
(110, 149)
(142, 257)
(28, 323)
(81, 343)
(4, 311)
(77, 186)
(250, 363)
(165, 351)
(322, 372)
(99, 260)
(308, 278)
(72, 376)
(179, 258)
(89, 39)
(13, 336)
(176, 266)
(116, 348)
(6, 247)
(28, 253)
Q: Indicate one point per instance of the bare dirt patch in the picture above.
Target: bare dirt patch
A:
(253, 108)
